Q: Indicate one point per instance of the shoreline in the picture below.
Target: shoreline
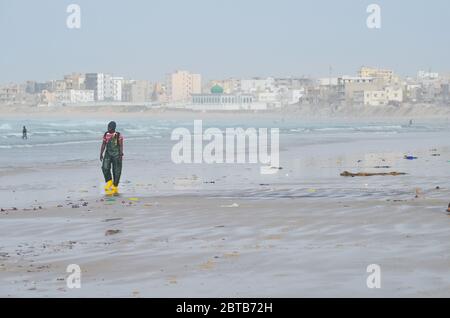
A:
(308, 112)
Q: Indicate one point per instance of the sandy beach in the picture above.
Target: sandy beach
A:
(204, 247)
(226, 230)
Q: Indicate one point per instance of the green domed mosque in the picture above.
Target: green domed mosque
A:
(217, 99)
(216, 89)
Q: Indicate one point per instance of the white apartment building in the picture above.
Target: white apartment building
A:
(422, 75)
(181, 85)
(105, 86)
(258, 85)
(96, 82)
(116, 88)
(112, 88)
(74, 96)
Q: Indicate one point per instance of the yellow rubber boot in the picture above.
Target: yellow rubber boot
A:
(108, 187)
(115, 190)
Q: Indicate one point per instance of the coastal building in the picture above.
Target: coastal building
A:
(106, 87)
(386, 75)
(112, 88)
(292, 96)
(15, 94)
(137, 91)
(229, 86)
(268, 97)
(33, 87)
(423, 76)
(413, 93)
(9, 94)
(389, 95)
(445, 92)
(217, 99)
(181, 85)
(74, 81)
(356, 84)
(74, 96)
(159, 93)
(96, 82)
(60, 85)
(292, 83)
(257, 84)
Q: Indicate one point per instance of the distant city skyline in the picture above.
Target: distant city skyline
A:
(147, 39)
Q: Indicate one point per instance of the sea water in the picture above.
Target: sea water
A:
(312, 156)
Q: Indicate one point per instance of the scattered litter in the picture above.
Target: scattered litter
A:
(382, 167)
(133, 199)
(85, 204)
(436, 154)
(409, 157)
(75, 206)
(112, 232)
(311, 190)
(210, 182)
(366, 174)
(115, 219)
(418, 192)
(234, 205)
(264, 184)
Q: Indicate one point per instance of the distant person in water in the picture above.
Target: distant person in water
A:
(111, 154)
(24, 133)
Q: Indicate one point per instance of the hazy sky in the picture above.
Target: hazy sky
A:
(145, 39)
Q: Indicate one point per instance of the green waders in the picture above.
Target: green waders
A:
(112, 158)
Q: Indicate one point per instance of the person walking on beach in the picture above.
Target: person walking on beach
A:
(112, 148)
(24, 133)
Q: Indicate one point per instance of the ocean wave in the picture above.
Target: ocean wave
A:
(65, 143)
(78, 124)
(5, 127)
